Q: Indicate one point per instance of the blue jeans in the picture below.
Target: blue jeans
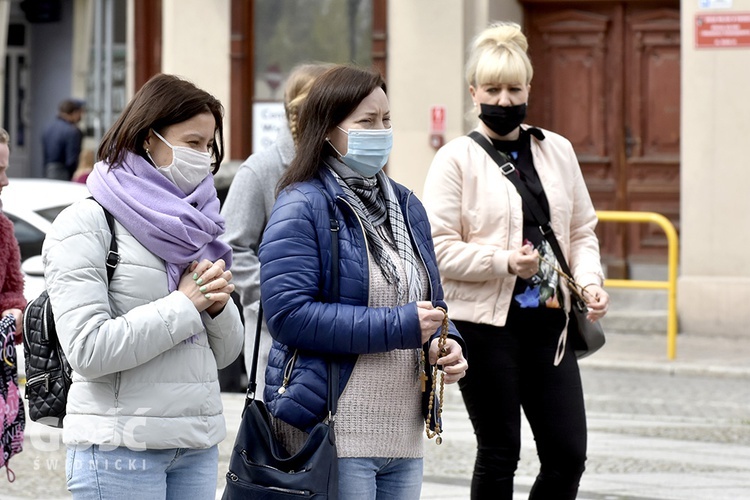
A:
(94, 473)
(380, 478)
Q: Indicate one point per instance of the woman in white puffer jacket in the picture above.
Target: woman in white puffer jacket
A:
(144, 413)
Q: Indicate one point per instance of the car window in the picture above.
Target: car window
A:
(52, 212)
(30, 239)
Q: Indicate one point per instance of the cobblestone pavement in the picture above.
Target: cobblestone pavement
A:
(658, 430)
(652, 435)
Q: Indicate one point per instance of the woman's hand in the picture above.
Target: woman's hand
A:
(430, 319)
(597, 301)
(207, 285)
(453, 363)
(524, 262)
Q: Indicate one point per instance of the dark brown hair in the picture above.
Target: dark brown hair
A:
(162, 101)
(333, 96)
(70, 105)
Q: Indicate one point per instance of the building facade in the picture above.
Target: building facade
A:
(650, 92)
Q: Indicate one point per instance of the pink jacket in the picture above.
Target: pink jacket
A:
(477, 222)
(11, 278)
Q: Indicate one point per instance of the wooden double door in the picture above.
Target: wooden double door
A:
(607, 77)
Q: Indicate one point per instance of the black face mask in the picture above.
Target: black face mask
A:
(502, 119)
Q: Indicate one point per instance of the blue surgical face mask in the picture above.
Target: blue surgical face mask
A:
(367, 150)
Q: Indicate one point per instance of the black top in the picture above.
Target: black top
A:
(540, 288)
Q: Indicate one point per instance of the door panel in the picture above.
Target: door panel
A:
(607, 77)
(575, 53)
(652, 42)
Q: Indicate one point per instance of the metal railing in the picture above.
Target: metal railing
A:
(672, 257)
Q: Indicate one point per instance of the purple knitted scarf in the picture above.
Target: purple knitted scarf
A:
(176, 227)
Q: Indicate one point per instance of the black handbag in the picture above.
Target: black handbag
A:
(586, 337)
(260, 467)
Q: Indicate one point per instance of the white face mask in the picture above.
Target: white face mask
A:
(188, 168)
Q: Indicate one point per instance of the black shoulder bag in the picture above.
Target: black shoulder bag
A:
(260, 466)
(585, 336)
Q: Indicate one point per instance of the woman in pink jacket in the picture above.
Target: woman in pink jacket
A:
(502, 280)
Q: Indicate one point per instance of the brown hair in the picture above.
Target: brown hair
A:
(4, 137)
(162, 101)
(333, 96)
(70, 105)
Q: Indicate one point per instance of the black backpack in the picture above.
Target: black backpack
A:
(48, 374)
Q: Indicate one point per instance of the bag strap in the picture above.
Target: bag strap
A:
(541, 219)
(333, 366)
(507, 167)
(113, 257)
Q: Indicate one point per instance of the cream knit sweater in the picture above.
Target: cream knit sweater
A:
(379, 412)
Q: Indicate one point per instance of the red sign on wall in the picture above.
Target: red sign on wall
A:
(722, 30)
(437, 120)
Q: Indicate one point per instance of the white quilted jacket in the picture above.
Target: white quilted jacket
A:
(145, 361)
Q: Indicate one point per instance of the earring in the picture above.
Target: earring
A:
(147, 151)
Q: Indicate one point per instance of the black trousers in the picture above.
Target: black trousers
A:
(511, 368)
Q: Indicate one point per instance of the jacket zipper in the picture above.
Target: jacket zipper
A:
(287, 373)
(44, 321)
(44, 377)
(117, 389)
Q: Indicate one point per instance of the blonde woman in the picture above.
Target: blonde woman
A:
(248, 206)
(500, 275)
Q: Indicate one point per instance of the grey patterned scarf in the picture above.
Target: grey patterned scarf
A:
(374, 201)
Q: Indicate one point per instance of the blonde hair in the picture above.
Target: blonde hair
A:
(296, 89)
(4, 136)
(498, 55)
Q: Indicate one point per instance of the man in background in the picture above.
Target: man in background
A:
(61, 141)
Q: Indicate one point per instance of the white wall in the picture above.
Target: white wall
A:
(425, 56)
(714, 285)
(196, 46)
(427, 42)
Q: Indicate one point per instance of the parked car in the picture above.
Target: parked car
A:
(32, 205)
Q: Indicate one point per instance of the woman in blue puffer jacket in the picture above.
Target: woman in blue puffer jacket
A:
(384, 324)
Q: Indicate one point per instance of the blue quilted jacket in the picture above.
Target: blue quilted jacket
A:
(303, 317)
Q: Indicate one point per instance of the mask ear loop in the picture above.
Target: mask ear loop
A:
(334, 148)
(148, 153)
(162, 139)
